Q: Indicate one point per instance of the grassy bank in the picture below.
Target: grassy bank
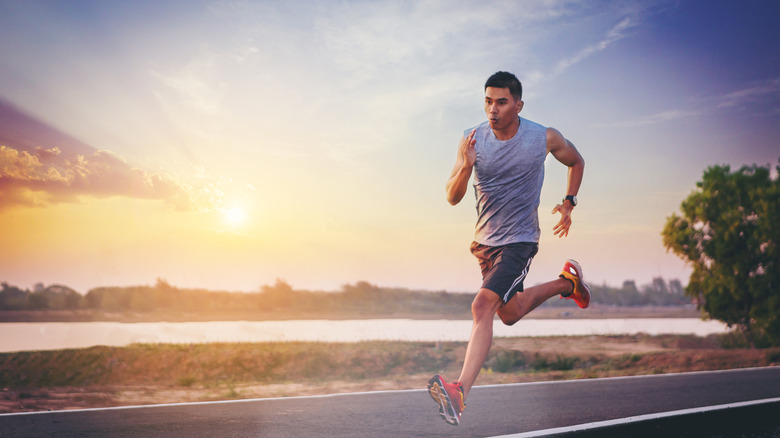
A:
(147, 374)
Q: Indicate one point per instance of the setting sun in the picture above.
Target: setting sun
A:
(234, 216)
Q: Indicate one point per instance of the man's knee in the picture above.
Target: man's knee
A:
(485, 304)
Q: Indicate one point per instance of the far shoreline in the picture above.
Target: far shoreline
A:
(545, 312)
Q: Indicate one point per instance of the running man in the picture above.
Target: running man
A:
(506, 154)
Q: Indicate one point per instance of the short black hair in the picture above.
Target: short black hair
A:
(504, 79)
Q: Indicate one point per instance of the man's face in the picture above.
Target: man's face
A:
(501, 108)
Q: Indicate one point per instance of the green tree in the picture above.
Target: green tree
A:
(729, 232)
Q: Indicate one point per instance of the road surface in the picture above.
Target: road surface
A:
(492, 411)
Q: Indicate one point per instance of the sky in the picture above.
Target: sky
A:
(227, 144)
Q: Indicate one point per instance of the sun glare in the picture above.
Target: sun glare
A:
(234, 216)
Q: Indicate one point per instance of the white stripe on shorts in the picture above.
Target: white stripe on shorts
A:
(518, 280)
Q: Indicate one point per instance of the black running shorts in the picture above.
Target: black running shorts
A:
(504, 267)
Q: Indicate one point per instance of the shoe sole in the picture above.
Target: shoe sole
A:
(440, 396)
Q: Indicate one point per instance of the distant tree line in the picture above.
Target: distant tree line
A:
(361, 297)
(657, 293)
(54, 297)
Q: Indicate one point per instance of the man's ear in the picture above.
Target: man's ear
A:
(520, 106)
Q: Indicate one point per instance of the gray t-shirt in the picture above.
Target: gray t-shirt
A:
(508, 178)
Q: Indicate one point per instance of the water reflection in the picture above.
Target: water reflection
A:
(50, 336)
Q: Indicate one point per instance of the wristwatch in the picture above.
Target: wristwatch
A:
(572, 199)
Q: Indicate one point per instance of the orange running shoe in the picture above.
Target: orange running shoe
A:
(581, 293)
(449, 396)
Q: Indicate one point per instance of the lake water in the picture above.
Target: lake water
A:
(53, 335)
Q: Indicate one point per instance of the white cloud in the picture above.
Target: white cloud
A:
(579, 22)
(754, 96)
(767, 90)
(661, 117)
(613, 35)
(47, 176)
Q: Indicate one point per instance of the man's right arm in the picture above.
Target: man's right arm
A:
(457, 184)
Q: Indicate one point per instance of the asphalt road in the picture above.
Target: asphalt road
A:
(492, 410)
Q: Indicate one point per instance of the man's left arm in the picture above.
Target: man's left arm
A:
(565, 152)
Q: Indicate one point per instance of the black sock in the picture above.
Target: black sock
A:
(572, 286)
